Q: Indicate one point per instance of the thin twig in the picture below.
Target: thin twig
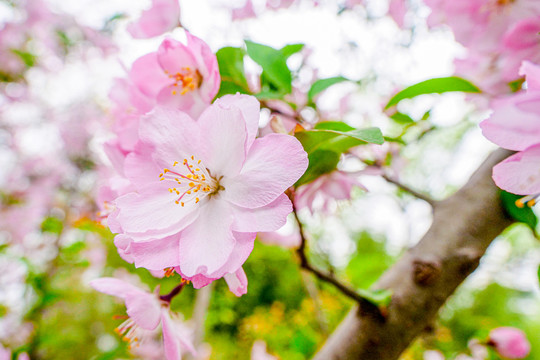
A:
(329, 278)
(410, 190)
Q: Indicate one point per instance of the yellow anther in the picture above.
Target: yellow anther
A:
(192, 157)
(531, 203)
(196, 200)
(520, 203)
(174, 92)
(165, 171)
(191, 184)
(175, 163)
(197, 169)
(182, 204)
(176, 201)
(198, 162)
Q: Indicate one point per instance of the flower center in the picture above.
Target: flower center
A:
(193, 181)
(187, 79)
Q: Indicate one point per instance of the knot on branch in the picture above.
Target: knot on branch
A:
(426, 272)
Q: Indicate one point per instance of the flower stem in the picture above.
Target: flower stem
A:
(168, 297)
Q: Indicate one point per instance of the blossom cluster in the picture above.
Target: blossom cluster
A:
(192, 183)
(498, 36)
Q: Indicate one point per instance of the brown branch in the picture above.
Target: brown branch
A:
(365, 304)
(410, 190)
(463, 227)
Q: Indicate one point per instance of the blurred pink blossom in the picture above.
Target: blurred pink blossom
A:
(397, 9)
(163, 16)
(510, 342)
(322, 193)
(244, 12)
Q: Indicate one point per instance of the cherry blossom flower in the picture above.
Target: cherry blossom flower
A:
(515, 125)
(322, 193)
(146, 312)
(244, 12)
(204, 188)
(510, 342)
(162, 16)
(184, 77)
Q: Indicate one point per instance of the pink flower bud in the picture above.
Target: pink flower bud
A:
(510, 342)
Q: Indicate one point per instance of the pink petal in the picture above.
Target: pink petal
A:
(207, 243)
(199, 281)
(161, 17)
(523, 35)
(156, 254)
(207, 66)
(515, 123)
(123, 245)
(267, 218)
(173, 56)
(520, 173)
(273, 164)
(115, 287)
(190, 102)
(242, 249)
(153, 212)
(148, 76)
(224, 132)
(144, 309)
(175, 336)
(237, 282)
(250, 108)
(171, 343)
(140, 168)
(172, 134)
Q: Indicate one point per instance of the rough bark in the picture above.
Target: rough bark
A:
(423, 278)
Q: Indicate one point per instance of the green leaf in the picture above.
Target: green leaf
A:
(231, 69)
(52, 225)
(323, 84)
(402, 119)
(290, 49)
(269, 95)
(337, 136)
(522, 214)
(320, 162)
(274, 64)
(433, 86)
(28, 59)
(381, 298)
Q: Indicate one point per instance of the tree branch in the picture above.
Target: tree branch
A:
(463, 226)
(365, 304)
(410, 190)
